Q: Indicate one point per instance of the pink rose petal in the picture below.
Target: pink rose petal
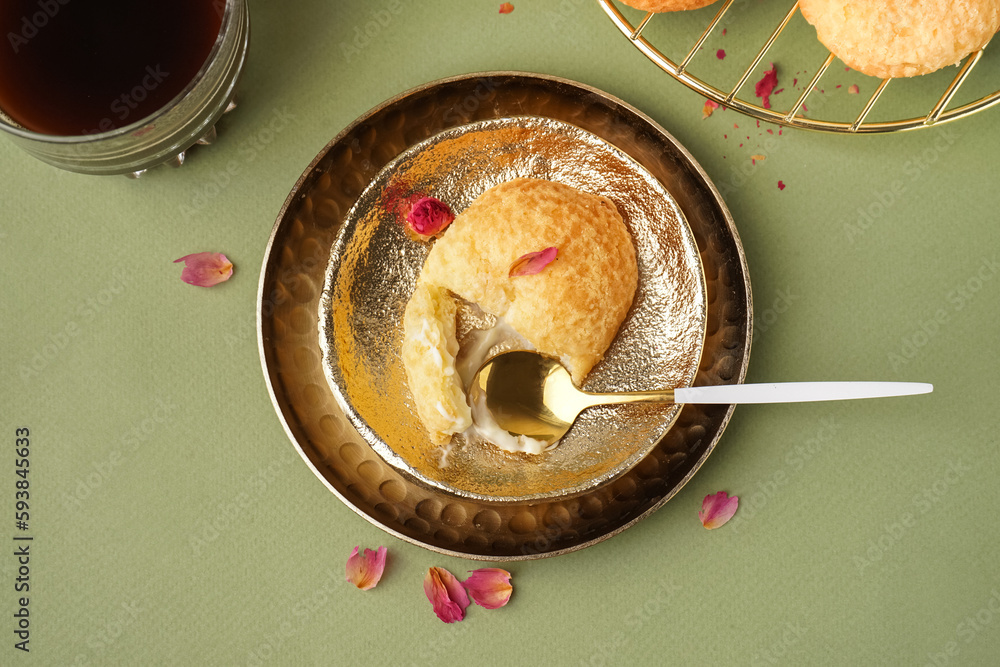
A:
(489, 587)
(710, 106)
(506, 8)
(717, 509)
(720, 54)
(205, 269)
(446, 594)
(428, 217)
(533, 262)
(364, 571)
(781, 185)
(766, 85)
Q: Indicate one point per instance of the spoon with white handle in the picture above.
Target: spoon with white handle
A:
(533, 395)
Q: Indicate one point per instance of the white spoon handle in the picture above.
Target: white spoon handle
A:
(797, 392)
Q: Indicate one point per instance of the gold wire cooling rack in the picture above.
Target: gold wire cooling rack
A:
(794, 116)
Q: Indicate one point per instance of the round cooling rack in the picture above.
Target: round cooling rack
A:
(292, 314)
(677, 42)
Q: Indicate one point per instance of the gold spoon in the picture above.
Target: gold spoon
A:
(533, 395)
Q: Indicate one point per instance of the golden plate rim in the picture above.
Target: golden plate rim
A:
(713, 200)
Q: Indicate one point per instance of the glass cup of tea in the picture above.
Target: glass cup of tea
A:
(118, 86)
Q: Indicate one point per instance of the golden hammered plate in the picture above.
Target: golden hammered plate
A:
(295, 326)
(373, 270)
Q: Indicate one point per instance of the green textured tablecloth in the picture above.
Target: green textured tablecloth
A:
(174, 523)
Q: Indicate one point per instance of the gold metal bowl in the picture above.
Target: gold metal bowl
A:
(292, 326)
(373, 270)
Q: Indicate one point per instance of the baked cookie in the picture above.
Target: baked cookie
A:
(571, 310)
(667, 5)
(898, 38)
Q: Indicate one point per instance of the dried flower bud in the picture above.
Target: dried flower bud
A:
(428, 218)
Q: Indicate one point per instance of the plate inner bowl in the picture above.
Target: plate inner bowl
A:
(373, 268)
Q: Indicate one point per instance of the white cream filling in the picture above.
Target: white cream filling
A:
(485, 427)
(430, 337)
(445, 453)
(476, 350)
(470, 358)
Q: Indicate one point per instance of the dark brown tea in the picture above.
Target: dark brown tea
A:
(71, 67)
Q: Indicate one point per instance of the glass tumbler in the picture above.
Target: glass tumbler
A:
(163, 136)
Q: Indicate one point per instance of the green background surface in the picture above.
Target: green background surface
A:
(867, 532)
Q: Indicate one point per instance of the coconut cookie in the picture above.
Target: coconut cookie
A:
(667, 5)
(570, 309)
(898, 38)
